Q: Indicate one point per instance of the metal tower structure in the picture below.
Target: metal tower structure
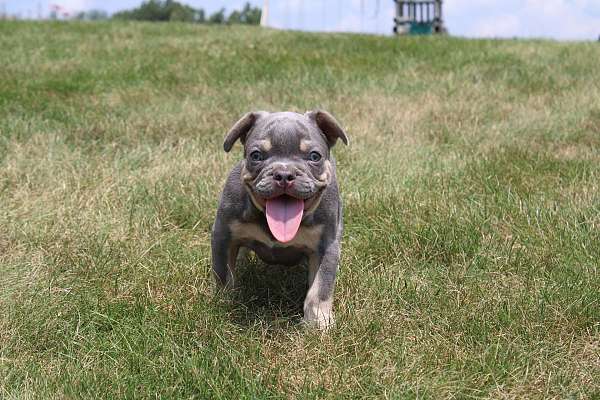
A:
(419, 17)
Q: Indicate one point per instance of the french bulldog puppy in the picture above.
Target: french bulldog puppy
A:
(282, 202)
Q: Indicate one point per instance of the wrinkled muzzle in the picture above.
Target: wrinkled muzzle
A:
(286, 193)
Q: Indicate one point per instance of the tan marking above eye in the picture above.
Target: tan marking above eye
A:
(265, 145)
(305, 145)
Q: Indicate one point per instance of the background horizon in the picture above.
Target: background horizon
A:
(551, 19)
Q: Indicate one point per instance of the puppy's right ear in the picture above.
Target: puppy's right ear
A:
(241, 128)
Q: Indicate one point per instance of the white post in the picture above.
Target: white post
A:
(264, 15)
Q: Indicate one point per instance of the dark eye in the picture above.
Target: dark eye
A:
(314, 156)
(256, 156)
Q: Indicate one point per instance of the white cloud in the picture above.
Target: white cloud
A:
(350, 23)
(498, 26)
(559, 19)
(375, 16)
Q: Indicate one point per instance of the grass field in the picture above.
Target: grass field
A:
(470, 265)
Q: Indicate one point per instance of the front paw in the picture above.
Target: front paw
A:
(319, 316)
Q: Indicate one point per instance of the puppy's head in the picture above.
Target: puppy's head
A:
(286, 163)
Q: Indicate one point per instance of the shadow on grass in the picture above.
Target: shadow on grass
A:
(269, 294)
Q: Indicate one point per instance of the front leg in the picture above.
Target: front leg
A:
(322, 269)
(224, 254)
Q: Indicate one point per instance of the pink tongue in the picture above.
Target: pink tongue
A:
(284, 214)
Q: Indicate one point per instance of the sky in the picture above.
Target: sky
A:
(554, 19)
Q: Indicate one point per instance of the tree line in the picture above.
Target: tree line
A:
(171, 10)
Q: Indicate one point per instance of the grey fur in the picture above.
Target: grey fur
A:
(286, 140)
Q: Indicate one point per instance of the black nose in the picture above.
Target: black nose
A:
(284, 176)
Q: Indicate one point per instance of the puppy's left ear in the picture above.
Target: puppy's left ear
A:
(329, 126)
(241, 128)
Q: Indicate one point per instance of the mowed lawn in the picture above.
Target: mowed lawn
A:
(470, 260)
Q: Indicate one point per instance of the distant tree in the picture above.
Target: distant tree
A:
(249, 15)
(157, 10)
(184, 14)
(200, 16)
(235, 17)
(218, 17)
(171, 10)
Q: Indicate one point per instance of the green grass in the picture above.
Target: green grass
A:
(472, 211)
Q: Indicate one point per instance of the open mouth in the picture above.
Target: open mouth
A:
(284, 214)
